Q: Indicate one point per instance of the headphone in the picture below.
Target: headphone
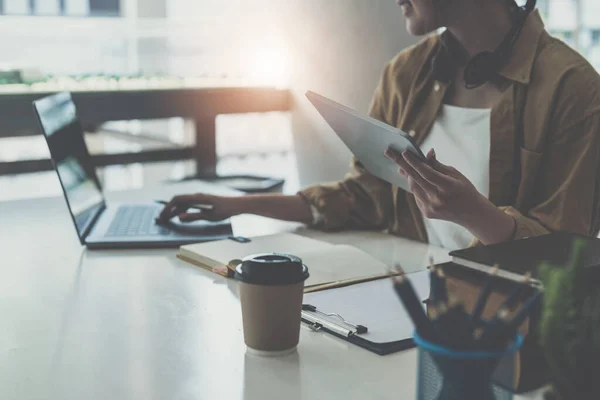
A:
(482, 67)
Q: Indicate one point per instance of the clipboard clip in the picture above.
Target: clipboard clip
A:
(316, 322)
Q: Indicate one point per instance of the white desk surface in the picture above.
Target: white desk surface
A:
(141, 324)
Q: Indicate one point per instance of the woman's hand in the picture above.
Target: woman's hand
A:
(290, 208)
(442, 192)
(223, 208)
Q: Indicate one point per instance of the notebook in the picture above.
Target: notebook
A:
(518, 257)
(327, 263)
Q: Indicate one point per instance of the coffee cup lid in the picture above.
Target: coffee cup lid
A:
(271, 269)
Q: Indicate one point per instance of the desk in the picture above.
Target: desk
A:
(144, 325)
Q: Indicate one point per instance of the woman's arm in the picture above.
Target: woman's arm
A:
(359, 201)
(566, 195)
(290, 208)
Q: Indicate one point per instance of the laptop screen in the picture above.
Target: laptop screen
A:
(73, 164)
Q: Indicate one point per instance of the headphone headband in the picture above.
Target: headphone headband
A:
(482, 67)
(530, 6)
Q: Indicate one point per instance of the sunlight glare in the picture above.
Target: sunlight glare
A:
(270, 67)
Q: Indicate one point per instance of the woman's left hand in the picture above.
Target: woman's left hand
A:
(442, 192)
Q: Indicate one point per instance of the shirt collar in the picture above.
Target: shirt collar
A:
(519, 66)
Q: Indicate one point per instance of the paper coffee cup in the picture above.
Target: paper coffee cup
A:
(271, 290)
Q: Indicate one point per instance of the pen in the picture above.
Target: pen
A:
(515, 296)
(503, 328)
(484, 294)
(438, 290)
(434, 289)
(511, 302)
(413, 306)
(198, 207)
(442, 287)
(453, 325)
(524, 312)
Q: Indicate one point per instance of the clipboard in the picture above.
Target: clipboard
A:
(368, 315)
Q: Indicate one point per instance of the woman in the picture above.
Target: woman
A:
(516, 134)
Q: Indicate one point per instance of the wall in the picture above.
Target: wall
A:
(337, 48)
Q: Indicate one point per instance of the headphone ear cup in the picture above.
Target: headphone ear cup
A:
(480, 69)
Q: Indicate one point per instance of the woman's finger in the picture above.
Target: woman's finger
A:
(430, 155)
(178, 205)
(393, 155)
(169, 209)
(438, 166)
(170, 212)
(419, 179)
(429, 173)
(419, 193)
(191, 217)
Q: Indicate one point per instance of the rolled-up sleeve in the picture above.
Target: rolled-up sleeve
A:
(361, 200)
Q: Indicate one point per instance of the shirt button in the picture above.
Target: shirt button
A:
(412, 133)
(437, 87)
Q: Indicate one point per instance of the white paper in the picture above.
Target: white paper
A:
(374, 305)
(340, 263)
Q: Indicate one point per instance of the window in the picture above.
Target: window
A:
(576, 22)
(81, 8)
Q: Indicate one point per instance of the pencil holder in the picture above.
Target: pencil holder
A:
(446, 374)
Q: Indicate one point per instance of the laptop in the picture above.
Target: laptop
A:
(102, 225)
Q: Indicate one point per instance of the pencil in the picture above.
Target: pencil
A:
(231, 267)
(197, 207)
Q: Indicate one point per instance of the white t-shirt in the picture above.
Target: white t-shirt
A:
(461, 139)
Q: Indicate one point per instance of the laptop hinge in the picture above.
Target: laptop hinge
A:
(92, 223)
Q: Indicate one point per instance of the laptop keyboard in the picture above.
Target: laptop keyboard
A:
(136, 221)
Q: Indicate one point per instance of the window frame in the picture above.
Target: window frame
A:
(62, 9)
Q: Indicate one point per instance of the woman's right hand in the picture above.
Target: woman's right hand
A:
(224, 207)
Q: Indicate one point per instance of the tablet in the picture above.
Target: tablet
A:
(367, 138)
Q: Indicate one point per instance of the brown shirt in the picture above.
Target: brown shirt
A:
(546, 124)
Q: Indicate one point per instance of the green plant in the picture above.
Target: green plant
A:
(570, 327)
